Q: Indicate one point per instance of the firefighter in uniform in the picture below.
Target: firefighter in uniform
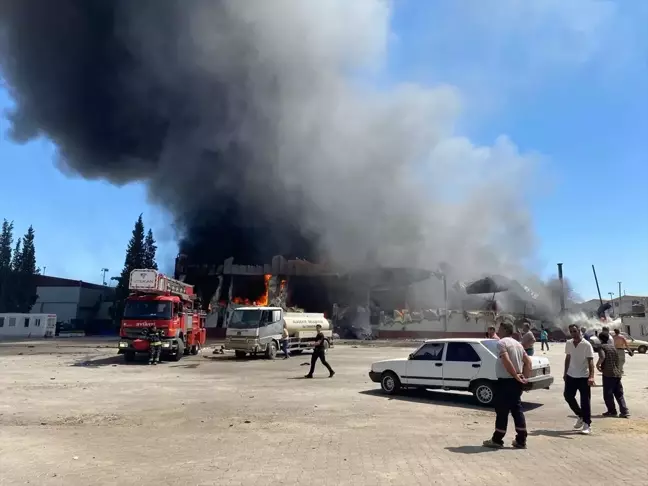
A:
(155, 345)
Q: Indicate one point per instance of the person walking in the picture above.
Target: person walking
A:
(608, 365)
(579, 377)
(319, 352)
(621, 345)
(285, 341)
(528, 339)
(544, 339)
(512, 368)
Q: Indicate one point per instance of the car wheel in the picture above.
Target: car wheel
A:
(390, 383)
(642, 349)
(484, 393)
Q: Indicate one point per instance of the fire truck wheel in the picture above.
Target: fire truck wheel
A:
(129, 357)
(180, 352)
(271, 350)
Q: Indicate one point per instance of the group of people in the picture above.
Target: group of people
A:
(514, 369)
(526, 338)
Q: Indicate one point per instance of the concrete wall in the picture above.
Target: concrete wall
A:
(62, 301)
(27, 325)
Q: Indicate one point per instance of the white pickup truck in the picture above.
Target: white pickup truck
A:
(453, 364)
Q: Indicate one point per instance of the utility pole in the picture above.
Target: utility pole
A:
(562, 288)
(103, 275)
(619, 298)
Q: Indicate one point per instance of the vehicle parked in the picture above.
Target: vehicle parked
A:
(454, 364)
(636, 345)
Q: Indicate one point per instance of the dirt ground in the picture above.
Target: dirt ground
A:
(72, 413)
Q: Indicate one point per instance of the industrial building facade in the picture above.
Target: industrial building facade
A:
(78, 305)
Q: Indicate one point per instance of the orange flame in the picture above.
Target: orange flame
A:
(261, 300)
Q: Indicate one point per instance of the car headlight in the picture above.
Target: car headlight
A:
(123, 344)
(166, 345)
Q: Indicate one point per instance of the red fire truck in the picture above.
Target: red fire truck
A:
(170, 306)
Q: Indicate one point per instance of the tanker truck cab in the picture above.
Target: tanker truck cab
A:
(257, 330)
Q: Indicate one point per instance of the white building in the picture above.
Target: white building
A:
(27, 325)
(78, 305)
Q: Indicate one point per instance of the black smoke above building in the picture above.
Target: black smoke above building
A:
(252, 124)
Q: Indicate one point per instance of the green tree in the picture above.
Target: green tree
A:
(16, 260)
(19, 285)
(150, 250)
(6, 241)
(28, 256)
(135, 258)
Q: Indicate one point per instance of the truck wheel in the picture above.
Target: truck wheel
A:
(390, 383)
(239, 354)
(180, 352)
(129, 356)
(484, 393)
(195, 349)
(642, 349)
(271, 350)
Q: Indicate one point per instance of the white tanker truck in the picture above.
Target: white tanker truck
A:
(257, 330)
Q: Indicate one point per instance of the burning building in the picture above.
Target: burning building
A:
(352, 300)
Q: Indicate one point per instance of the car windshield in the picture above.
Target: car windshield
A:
(147, 309)
(491, 344)
(245, 319)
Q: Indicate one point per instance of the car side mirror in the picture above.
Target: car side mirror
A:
(411, 356)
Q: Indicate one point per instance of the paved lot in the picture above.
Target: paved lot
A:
(72, 414)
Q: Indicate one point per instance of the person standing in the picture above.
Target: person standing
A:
(512, 368)
(579, 377)
(155, 345)
(608, 365)
(544, 339)
(285, 341)
(491, 333)
(319, 352)
(528, 339)
(621, 345)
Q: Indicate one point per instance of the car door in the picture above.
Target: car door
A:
(461, 364)
(425, 366)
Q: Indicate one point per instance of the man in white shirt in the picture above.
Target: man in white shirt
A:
(579, 377)
(513, 368)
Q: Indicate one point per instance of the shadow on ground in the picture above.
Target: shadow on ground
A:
(109, 361)
(470, 449)
(441, 398)
(556, 434)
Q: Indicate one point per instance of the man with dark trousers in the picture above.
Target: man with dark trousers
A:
(155, 345)
(579, 377)
(512, 368)
(608, 365)
(319, 353)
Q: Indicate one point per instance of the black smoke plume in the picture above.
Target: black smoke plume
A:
(252, 123)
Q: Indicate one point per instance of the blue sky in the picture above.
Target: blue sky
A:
(568, 80)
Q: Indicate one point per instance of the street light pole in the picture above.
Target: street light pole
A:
(103, 275)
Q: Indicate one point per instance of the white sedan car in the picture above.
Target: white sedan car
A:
(453, 364)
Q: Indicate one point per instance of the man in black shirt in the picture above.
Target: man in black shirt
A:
(319, 353)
